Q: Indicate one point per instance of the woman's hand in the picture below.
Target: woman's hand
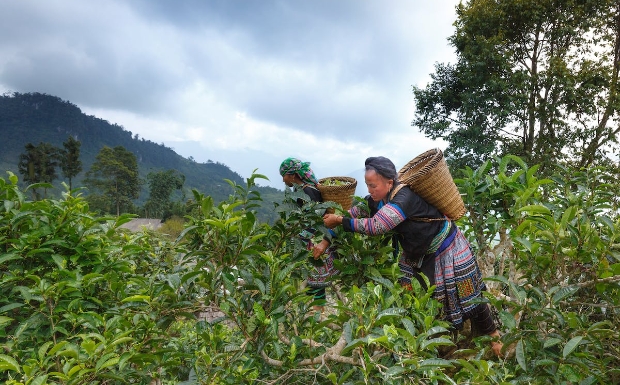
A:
(320, 248)
(332, 220)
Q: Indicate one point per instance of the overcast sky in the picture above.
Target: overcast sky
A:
(244, 83)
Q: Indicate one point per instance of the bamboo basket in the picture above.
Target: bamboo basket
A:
(342, 194)
(429, 177)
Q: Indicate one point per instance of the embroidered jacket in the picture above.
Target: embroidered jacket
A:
(398, 214)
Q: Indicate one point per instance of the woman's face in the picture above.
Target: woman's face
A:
(289, 179)
(378, 186)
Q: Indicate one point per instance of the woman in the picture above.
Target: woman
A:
(431, 244)
(297, 173)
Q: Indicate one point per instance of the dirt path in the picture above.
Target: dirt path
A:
(137, 224)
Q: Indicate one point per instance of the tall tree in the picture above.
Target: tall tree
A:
(535, 78)
(38, 165)
(115, 174)
(70, 163)
(161, 186)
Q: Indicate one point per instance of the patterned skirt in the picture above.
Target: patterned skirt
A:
(319, 276)
(457, 278)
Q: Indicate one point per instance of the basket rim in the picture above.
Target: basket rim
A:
(345, 178)
(434, 154)
(346, 187)
(441, 192)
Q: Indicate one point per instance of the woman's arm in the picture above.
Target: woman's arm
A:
(387, 218)
(358, 212)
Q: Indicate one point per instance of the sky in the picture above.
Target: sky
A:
(244, 83)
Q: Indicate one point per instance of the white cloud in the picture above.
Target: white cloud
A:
(243, 83)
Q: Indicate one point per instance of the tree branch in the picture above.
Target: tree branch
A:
(331, 354)
(615, 278)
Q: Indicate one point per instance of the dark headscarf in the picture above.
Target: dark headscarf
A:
(382, 166)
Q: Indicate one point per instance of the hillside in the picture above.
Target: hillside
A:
(34, 118)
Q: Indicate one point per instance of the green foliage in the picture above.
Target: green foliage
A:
(84, 302)
(115, 176)
(161, 186)
(535, 78)
(173, 227)
(70, 163)
(48, 119)
(38, 165)
(378, 331)
(552, 244)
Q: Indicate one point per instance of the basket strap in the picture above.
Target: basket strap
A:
(395, 190)
(309, 185)
(427, 219)
(393, 194)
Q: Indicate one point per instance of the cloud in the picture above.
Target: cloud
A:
(251, 82)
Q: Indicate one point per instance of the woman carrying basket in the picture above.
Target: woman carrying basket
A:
(431, 244)
(297, 173)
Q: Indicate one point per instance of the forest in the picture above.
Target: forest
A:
(530, 114)
(35, 118)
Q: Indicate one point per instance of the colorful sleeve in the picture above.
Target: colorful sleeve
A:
(388, 217)
(358, 212)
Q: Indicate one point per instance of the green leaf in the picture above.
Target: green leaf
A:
(75, 369)
(43, 349)
(536, 209)
(568, 216)
(605, 219)
(508, 319)
(9, 363)
(333, 378)
(436, 330)
(5, 320)
(259, 311)
(353, 344)
(137, 298)
(60, 261)
(544, 362)
(556, 314)
(549, 342)
(571, 345)
(379, 339)
(89, 346)
(589, 381)
(214, 222)
(111, 362)
(434, 363)
(57, 347)
(427, 344)
(391, 312)
(394, 371)
(498, 278)
(520, 354)
(563, 293)
(347, 332)
(40, 380)
(9, 257)
(120, 341)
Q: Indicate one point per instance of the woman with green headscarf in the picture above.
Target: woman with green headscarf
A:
(297, 173)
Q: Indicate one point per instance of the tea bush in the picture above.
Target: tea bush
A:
(86, 302)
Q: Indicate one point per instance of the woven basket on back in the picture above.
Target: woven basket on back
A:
(429, 177)
(342, 194)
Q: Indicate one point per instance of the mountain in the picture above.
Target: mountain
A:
(35, 118)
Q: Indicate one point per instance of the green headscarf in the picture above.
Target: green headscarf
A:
(296, 166)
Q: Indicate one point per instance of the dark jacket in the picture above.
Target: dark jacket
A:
(413, 236)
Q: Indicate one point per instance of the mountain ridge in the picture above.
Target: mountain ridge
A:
(38, 117)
